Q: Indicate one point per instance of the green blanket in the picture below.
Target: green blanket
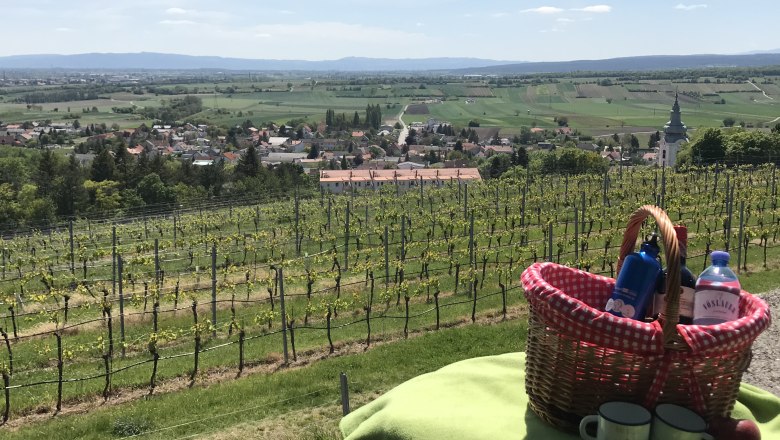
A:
(485, 398)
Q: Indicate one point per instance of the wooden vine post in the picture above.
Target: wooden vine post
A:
(196, 331)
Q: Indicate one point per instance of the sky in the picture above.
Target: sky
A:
(547, 30)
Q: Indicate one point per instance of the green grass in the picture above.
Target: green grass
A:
(206, 410)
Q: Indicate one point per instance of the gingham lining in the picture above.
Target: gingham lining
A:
(571, 300)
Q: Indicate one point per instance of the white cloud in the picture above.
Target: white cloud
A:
(319, 38)
(684, 7)
(175, 11)
(544, 10)
(177, 22)
(598, 9)
(564, 20)
(499, 14)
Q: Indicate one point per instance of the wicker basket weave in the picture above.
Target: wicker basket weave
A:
(578, 356)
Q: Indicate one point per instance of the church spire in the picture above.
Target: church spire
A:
(675, 129)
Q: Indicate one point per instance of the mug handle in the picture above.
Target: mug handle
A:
(587, 420)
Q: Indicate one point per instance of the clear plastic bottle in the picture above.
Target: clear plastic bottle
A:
(717, 293)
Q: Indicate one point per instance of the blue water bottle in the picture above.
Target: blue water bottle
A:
(636, 282)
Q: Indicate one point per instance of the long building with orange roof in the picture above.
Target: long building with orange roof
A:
(336, 181)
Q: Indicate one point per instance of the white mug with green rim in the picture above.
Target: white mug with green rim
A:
(674, 422)
(618, 420)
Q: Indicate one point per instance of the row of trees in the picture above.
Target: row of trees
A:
(41, 186)
(176, 109)
(339, 121)
(732, 146)
(558, 161)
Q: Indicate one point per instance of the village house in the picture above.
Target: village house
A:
(337, 181)
(490, 150)
(589, 146)
(277, 158)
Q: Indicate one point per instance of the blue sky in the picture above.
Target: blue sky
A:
(329, 29)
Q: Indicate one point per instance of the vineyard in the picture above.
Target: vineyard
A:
(94, 307)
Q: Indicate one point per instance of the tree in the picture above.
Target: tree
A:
(46, 172)
(776, 128)
(344, 164)
(76, 124)
(411, 139)
(329, 116)
(212, 177)
(634, 144)
(520, 157)
(123, 162)
(102, 166)
(495, 166)
(70, 195)
(358, 159)
(654, 139)
(154, 192)
(249, 163)
(398, 126)
(104, 195)
(458, 145)
(710, 147)
(373, 116)
(729, 122)
(314, 152)
(356, 120)
(563, 121)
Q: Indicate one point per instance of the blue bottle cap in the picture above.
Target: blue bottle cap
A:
(720, 256)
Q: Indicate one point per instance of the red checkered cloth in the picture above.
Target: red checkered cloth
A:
(571, 301)
(731, 335)
(575, 299)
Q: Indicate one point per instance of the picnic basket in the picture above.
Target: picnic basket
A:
(579, 356)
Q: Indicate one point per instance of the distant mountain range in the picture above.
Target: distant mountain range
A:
(761, 51)
(161, 61)
(641, 63)
(152, 60)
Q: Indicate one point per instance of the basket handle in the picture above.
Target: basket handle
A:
(672, 252)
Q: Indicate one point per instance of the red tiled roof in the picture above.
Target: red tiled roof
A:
(401, 175)
(136, 151)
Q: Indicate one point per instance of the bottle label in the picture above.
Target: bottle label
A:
(623, 303)
(715, 305)
(686, 301)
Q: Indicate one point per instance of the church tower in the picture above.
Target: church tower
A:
(675, 133)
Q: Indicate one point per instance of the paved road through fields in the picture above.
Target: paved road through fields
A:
(404, 129)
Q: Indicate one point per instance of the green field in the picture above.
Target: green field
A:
(590, 106)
